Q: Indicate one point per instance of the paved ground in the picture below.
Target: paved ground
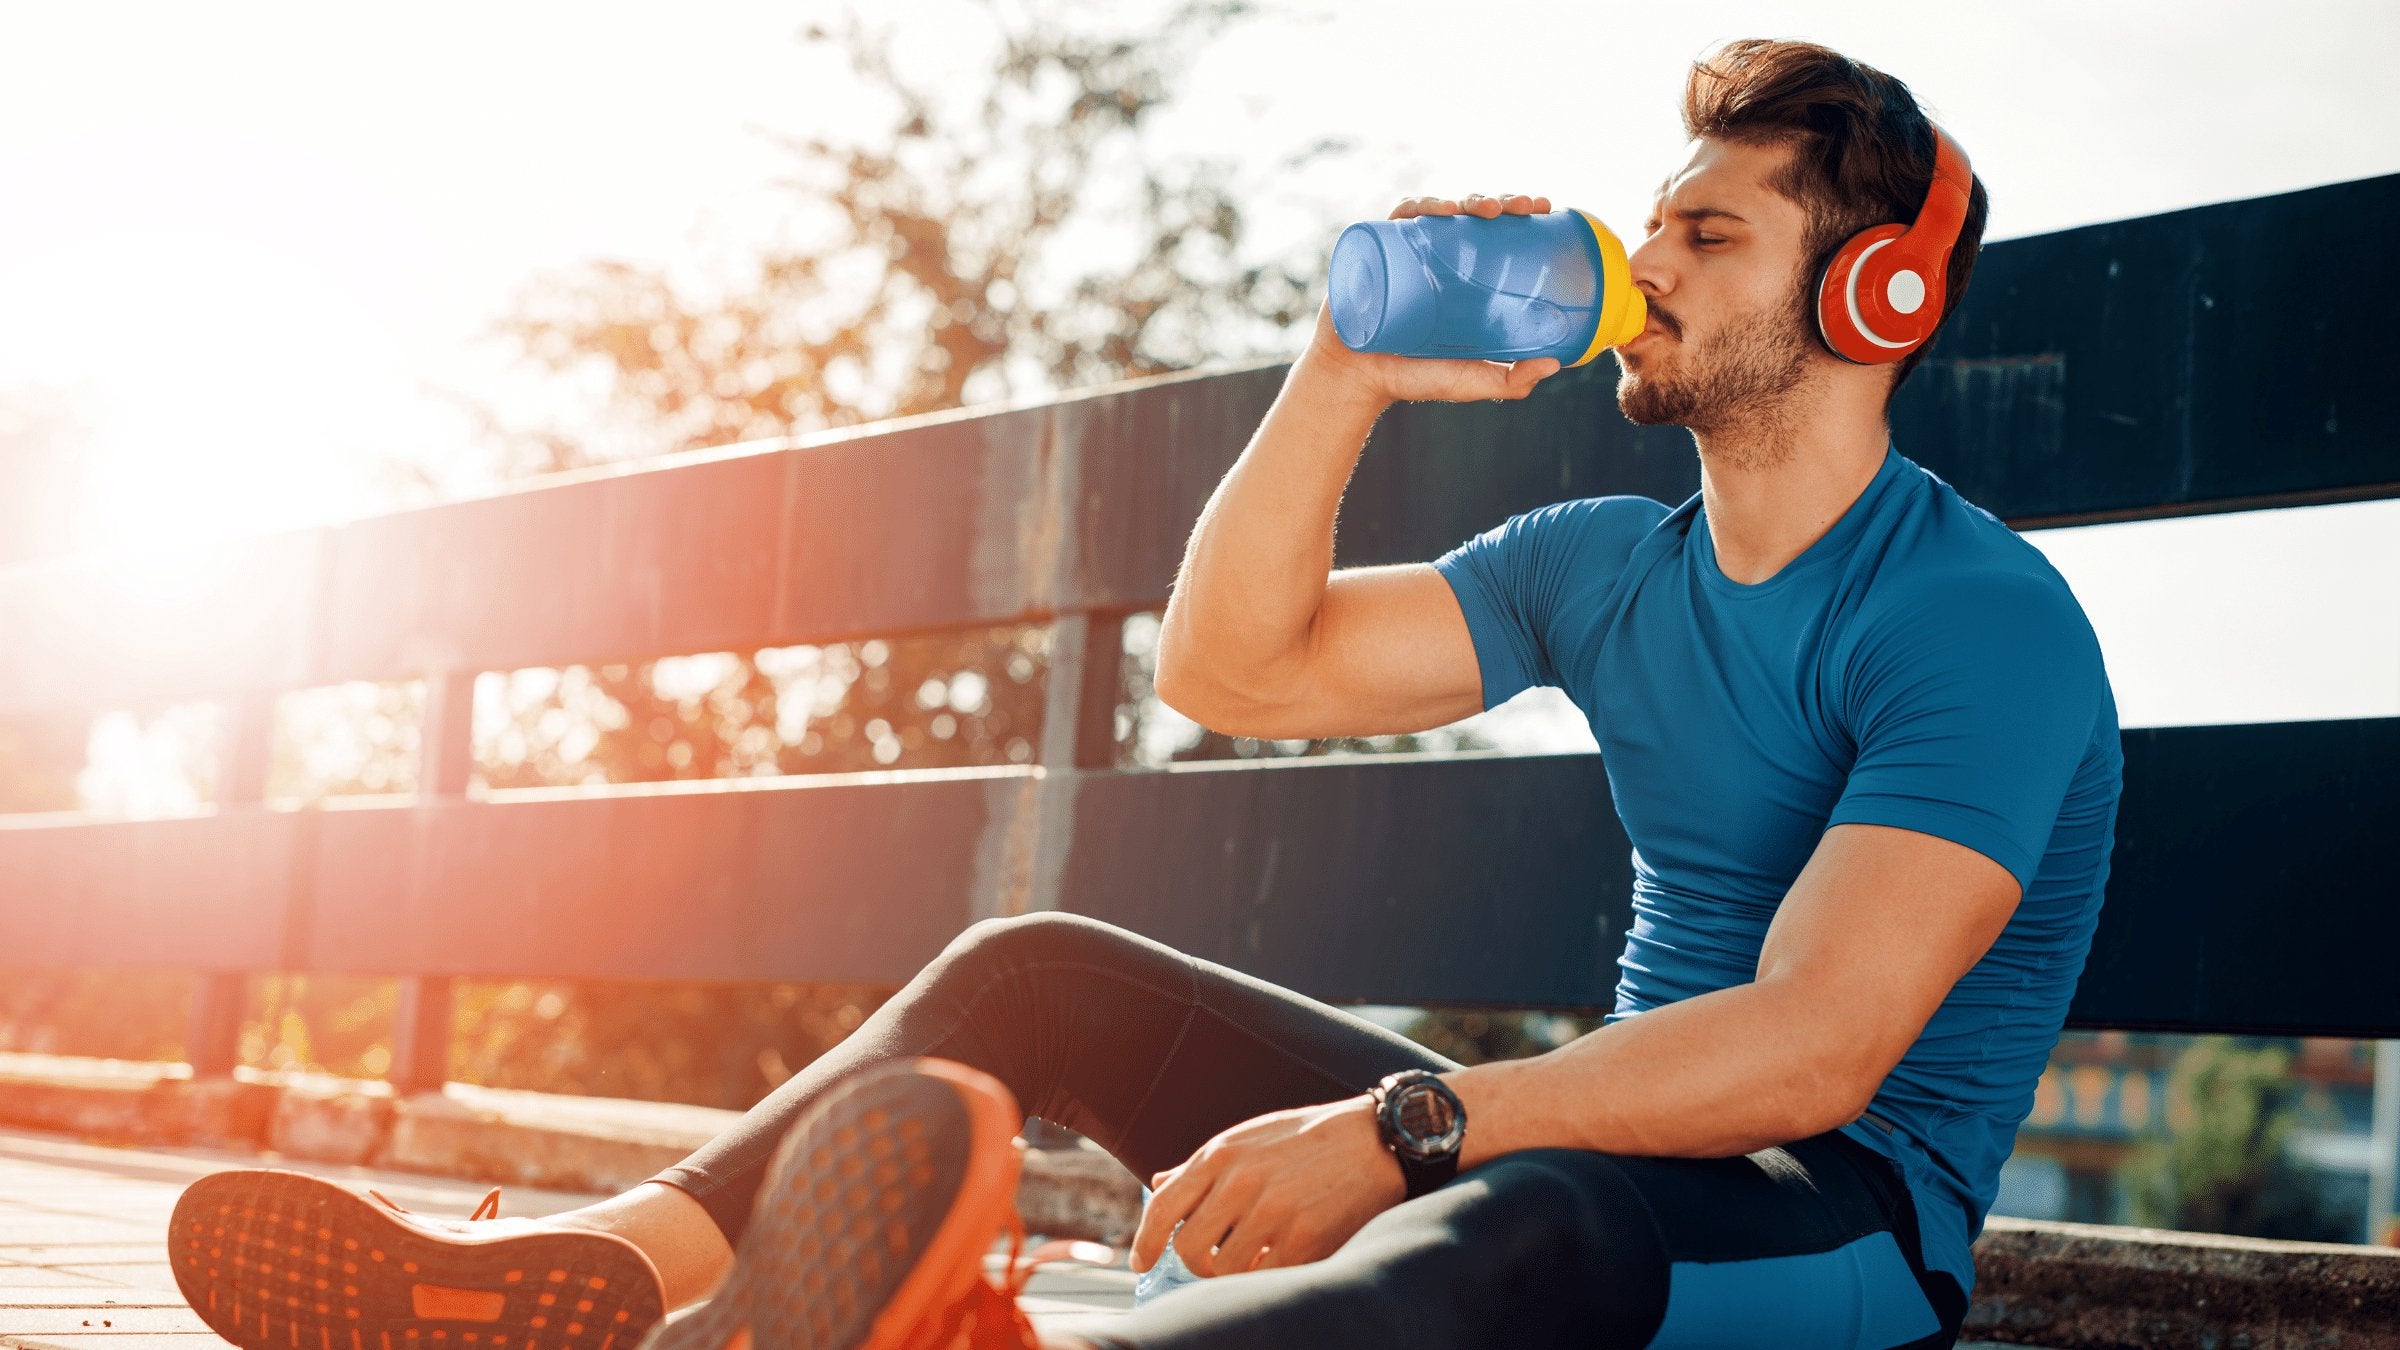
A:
(83, 1261)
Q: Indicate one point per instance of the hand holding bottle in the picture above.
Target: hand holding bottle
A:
(1408, 378)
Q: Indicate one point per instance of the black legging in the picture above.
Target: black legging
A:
(1150, 1053)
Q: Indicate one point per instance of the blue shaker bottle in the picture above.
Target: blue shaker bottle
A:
(1510, 288)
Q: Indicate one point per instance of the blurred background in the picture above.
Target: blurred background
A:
(268, 266)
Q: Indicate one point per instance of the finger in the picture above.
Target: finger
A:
(1167, 1195)
(1527, 374)
(1207, 1225)
(1240, 1250)
(1480, 205)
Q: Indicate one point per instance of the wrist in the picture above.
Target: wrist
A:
(1335, 378)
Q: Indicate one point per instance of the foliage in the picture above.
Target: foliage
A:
(2226, 1165)
(962, 254)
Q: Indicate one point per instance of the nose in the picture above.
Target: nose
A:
(1648, 264)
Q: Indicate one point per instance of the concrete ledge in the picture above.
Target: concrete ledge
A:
(2088, 1286)
(119, 1102)
(590, 1144)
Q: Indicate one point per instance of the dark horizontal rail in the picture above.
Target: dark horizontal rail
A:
(2251, 887)
(2173, 364)
(795, 881)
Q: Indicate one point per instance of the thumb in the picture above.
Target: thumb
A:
(1524, 375)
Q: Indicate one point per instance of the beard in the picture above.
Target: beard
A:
(1735, 384)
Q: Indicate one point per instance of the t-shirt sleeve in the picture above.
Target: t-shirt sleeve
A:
(1972, 706)
(1530, 587)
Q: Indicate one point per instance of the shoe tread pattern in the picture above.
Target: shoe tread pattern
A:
(274, 1260)
(856, 1192)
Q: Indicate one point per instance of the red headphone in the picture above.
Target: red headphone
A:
(1881, 297)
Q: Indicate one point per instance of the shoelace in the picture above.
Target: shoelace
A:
(988, 1318)
(489, 1209)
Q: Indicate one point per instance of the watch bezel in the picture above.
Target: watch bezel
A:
(1391, 1098)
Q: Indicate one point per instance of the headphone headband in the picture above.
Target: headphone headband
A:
(1945, 211)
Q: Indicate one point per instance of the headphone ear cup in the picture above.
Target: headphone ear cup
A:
(1849, 293)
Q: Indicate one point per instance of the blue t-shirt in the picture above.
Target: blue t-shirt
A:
(1918, 666)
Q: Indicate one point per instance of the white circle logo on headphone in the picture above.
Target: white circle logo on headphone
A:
(1905, 291)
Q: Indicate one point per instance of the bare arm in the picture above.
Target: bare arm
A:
(1878, 927)
(1261, 637)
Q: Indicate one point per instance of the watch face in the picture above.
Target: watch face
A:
(1425, 1119)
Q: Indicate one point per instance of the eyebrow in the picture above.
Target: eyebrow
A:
(1698, 213)
(1695, 212)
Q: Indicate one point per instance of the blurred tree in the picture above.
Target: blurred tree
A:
(1007, 236)
(2225, 1165)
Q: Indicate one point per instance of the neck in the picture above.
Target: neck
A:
(1775, 483)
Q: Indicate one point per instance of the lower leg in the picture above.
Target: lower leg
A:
(680, 1238)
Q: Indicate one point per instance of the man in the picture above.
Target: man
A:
(1859, 733)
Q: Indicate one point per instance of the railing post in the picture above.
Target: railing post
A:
(421, 1034)
(1079, 711)
(212, 1028)
(446, 749)
(1079, 700)
(212, 1034)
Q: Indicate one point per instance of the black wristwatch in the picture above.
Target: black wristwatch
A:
(1424, 1124)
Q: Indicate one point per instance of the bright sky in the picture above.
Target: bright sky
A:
(243, 247)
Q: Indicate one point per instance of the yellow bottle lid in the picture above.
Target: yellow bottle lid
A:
(1623, 311)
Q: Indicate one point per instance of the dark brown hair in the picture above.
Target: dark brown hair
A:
(1862, 151)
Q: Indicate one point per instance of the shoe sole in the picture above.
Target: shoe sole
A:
(875, 1214)
(276, 1260)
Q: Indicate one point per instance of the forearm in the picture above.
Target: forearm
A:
(1720, 1074)
(1255, 570)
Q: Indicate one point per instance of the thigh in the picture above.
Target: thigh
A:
(1810, 1243)
(1148, 1050)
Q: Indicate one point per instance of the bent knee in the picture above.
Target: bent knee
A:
(1042, 934)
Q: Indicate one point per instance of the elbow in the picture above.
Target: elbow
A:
(1227, 709)
(1842, 1093)
(1227, 703)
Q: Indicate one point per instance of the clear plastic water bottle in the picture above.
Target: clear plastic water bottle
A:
(1510, 288)
(1168, 1272)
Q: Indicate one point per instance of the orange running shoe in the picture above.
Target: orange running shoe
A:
(284, 1260)
(870, 1230)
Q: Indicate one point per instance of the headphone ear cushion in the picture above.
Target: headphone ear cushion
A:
(1853, 317)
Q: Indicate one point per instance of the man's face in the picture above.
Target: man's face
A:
(1721, 266)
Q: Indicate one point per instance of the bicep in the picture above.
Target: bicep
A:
(1388, 652)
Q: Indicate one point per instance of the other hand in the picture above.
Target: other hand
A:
(1403, 378)
(1282, 1189)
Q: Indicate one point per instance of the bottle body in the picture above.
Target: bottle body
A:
(1511, 288)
